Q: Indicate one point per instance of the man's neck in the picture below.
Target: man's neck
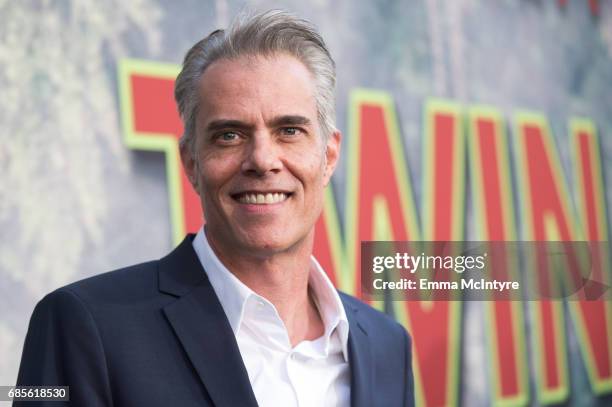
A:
(281, 278)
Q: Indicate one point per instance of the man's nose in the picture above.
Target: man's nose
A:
(263, 155)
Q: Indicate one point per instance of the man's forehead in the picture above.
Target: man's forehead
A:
(244, 88)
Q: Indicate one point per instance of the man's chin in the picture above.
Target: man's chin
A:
(266, 245)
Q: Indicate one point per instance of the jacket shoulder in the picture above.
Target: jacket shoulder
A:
(131, 282)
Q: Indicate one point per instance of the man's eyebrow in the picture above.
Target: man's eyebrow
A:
(289, 120)
(227, 123)
(285, 120)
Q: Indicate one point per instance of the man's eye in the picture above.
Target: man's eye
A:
(290, 131)
(228, 137)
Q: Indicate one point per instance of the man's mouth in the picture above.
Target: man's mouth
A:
(259, 198)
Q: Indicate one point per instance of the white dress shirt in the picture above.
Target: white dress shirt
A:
(313, 373)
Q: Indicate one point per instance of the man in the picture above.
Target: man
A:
(240, 314)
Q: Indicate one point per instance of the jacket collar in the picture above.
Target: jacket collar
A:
(180, 271)
(202, 328)
(198, 314)
(360, 356)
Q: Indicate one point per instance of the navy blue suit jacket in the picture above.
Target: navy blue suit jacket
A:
(155, 334)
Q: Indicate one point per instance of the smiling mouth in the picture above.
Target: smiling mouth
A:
(257, 198)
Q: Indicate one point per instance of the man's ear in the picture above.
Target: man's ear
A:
(332, 154)
(189, 166)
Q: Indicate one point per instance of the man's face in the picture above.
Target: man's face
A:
(262, 162)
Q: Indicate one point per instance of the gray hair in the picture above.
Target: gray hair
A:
(266, 34)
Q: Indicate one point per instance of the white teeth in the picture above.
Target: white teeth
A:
(263, 199)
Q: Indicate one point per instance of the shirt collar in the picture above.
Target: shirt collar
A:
(233, 293)
(329, 304)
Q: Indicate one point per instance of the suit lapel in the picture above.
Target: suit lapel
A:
(360, 358)
(202, 328)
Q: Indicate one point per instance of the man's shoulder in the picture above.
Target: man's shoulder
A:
(135, 281)
(125, 295)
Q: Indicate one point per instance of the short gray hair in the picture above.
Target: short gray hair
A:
(266, 34)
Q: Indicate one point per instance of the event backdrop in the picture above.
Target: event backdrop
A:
(462, 120)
